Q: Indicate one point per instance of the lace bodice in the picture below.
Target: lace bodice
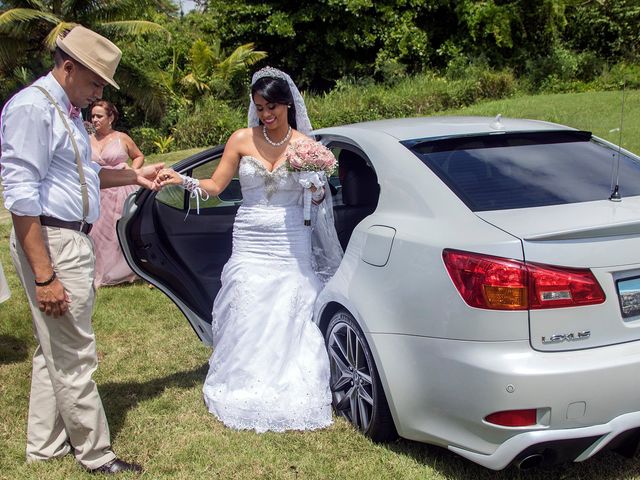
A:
(262, 187)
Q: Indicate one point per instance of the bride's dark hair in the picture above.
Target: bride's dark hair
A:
(276, 90)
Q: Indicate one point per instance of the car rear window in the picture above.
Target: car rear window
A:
(521, 170)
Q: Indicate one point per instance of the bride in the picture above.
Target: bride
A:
(269, 369)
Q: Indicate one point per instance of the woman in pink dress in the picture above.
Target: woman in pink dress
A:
(111, 149)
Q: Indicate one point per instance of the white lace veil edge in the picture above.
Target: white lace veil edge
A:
(326, 252)
(303, 124)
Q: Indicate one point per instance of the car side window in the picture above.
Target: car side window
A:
(174, 195)
(357, 180)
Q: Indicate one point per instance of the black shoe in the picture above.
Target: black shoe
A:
(116, 466)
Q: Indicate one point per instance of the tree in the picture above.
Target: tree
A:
(209, 70)
(608, 28)
(510, 32)
(319, 41)
(29, 28)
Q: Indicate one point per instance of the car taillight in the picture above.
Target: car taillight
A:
(496, 283)
(513, 418)
(488, 282)
(551, 287)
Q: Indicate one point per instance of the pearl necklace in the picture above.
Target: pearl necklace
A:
(271, 142)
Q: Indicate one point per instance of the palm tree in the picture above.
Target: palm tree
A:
(209, 70)
(29, 28)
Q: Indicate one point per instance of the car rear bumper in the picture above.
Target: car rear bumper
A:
(589, 441)
(440, 392)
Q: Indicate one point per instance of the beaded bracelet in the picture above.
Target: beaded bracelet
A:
(48, 281)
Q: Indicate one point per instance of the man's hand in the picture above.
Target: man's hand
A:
(143, 176)
(53, 299)
(146, 175)
(168, 176)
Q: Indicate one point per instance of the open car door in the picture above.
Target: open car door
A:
(180, 251)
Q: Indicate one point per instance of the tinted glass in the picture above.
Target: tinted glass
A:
(175, 196)
(504, 171)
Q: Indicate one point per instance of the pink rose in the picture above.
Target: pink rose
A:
(308, 155)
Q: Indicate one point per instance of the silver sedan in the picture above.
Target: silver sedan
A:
(489, 296)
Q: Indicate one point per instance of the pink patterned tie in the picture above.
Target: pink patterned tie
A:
(74, 112)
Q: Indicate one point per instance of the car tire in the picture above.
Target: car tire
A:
(355, 385)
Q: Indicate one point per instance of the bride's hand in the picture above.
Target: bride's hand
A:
(167, 176)
(146, 175)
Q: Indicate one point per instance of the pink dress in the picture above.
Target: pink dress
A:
(111, 267)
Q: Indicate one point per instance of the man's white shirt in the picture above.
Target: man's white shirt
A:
(38, 162)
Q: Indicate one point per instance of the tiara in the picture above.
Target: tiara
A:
(268, 72)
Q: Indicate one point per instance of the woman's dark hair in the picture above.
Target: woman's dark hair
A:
(276, 90)
(109, 107)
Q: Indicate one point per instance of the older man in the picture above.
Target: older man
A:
(51, 188)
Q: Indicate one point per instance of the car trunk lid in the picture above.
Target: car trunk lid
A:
(602, 236)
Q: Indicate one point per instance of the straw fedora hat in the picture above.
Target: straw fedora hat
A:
(93, 51)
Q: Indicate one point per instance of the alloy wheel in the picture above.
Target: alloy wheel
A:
(351, 373)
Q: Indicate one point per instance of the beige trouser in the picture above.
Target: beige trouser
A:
(65, 410)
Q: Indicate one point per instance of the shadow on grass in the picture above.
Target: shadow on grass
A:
(12, 349)
(119, 398)
(607, 465)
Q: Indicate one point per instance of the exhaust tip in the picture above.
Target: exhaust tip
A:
(530, 461)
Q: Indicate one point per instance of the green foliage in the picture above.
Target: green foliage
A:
(551, 42)
(209, 70)
(536, 46)
(36, 25)
(488, 22)
(322, 40)
(353, 101)
(509, 32)
(163, 144)
(417, 95)
(621, 74)
(144, 138)
(559, 67)
(608, 28)
(28, 31)
(210, 124)
(13, 81)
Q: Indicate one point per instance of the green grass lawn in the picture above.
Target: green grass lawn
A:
(152, 367)
(597, 112)
(172, 157)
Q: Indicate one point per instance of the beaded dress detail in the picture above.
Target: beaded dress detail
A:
(269, 369)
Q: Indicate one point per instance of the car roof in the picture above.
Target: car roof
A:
(444, 126)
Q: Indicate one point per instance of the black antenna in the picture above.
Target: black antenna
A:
(615, 193)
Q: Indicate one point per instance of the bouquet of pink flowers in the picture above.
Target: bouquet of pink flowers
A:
(307, 155)
(315, 162)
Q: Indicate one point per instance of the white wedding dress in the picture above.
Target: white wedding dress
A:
(269, 369)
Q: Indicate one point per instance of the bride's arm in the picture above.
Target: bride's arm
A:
(221, 176)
